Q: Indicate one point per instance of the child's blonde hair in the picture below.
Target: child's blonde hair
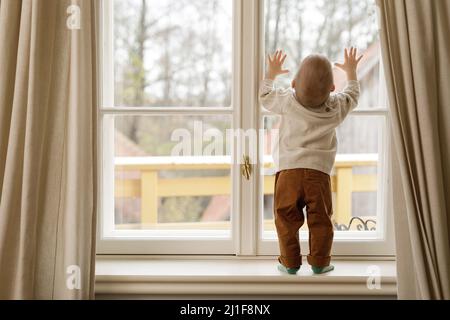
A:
(314, 81)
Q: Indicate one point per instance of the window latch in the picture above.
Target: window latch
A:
(246, 168)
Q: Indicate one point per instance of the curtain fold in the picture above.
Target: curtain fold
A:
(416, 54)
(48, 154)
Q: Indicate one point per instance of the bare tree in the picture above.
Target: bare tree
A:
(276, 33)
(350, 21)
(138, 74)
(323, 35)
(299, 48)
(210, 49)
(268, 18)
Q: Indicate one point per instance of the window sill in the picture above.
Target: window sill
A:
(120, 276)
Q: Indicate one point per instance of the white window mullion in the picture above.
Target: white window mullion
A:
(189, 111)
(249, 110)
(237, 123)
(106, 123)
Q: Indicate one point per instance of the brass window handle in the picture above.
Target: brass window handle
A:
(246, 168)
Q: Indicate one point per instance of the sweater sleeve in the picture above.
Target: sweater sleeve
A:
(347, 100)
(274, 100)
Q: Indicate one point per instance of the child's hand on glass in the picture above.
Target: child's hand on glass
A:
(275, 65)
(351, 63)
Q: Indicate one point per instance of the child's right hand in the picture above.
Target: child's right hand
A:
(351, 63)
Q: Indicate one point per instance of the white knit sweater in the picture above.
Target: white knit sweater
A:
(308, 135)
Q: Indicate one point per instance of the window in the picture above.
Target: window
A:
(167, 93)
(179, 79)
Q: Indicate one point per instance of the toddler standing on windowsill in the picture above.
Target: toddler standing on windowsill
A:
(310, 114)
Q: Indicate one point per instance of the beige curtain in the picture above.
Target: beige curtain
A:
(416, 50)
(47, 149)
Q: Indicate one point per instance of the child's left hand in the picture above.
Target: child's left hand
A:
(275, 65)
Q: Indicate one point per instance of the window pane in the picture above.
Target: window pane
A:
(303, 27)
(356, 200)
(173, 53)
(172, 173)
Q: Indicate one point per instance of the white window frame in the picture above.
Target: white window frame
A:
(247, 228)
(111, 242)
(346, 243)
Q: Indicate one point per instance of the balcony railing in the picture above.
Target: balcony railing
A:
(149, 187)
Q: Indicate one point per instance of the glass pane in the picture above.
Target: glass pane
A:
(356, 200)
(172, 173)
(303, 27)
(173, 53)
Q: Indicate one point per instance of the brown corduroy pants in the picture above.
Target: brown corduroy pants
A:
(295, 190)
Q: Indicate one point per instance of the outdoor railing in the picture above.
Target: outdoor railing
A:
(149, 187)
